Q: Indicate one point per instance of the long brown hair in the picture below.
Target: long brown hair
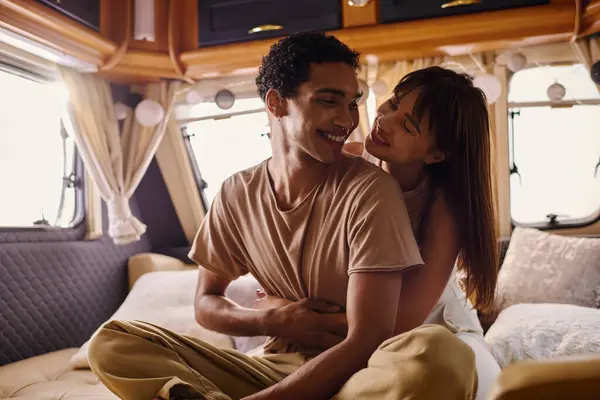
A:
(459, 120)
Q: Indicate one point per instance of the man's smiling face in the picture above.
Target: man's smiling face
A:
(324, 111)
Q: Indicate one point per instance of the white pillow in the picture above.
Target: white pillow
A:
(543, 331)
(540, 267)
(454, 310)
(164, 298)
(243, 292)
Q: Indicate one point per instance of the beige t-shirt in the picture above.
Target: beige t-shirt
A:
(415, 200)
(353, 221)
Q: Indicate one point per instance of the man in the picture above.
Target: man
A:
(312, 225)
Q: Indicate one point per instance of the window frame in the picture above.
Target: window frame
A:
(570, 223)
(200, 183)
(78, 170)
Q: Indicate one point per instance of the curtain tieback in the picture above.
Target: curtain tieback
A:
(118, 207)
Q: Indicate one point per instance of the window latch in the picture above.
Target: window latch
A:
(515, 170)
(71, 181)
(185, 134)
(552, 218)
(42, 221)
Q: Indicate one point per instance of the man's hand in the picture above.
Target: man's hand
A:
(372, 307)
(310, 323)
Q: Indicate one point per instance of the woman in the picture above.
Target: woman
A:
(433, 136)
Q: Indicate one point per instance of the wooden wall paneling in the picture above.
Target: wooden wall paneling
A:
(151, 61)
(451, 35)
(591, 18)
(112, 24)
(141, 66)
(467, 30)
(48, 27)
(227, 59)
(187, 17)
(501, 152)
(174, 35)
(359, 16)
(112, 19)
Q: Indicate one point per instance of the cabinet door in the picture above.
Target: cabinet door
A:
(228, 21)
(86, 12)
(407, 10)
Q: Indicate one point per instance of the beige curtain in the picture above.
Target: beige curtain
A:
(587, 51)
(390, 73)
(93, 209)
(115, 161)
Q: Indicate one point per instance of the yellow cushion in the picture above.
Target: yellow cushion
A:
(562, 378)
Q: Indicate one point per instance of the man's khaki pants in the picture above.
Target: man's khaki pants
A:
(138, 361)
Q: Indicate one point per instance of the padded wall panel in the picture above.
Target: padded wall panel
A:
(42, 235)
(55, 293)
(158, 213)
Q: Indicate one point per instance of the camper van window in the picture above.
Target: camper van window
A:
(37, 158)
(223, 142)
(554, 146)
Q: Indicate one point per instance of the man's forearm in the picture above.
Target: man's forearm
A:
(323, 376)
(222, 315)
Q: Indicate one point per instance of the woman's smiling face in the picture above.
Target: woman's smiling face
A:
(398, 136)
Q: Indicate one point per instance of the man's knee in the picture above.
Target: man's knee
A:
(448, 358)
(101, 344)
(436, 355)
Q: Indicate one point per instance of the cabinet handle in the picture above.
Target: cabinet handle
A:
(457, 3)
(265, 28)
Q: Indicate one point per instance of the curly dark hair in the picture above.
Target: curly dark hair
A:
(288, 63)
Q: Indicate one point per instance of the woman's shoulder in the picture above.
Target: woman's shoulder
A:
(439, 214)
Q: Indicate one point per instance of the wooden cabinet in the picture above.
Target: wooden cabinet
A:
(408, 10)
(229, 21)
(86, 12)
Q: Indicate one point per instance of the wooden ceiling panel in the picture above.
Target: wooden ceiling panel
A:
(453, 35)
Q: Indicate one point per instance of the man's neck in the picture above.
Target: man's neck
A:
(408, 175)
(293, 175)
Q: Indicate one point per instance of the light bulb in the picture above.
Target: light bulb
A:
(149, 113)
